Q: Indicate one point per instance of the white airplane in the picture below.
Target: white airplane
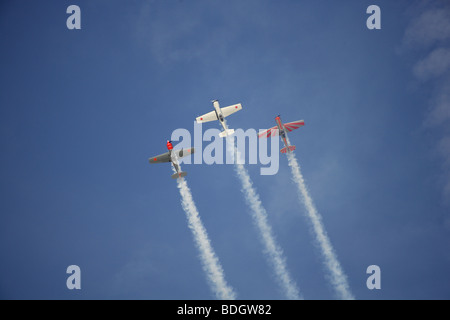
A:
(220, 114)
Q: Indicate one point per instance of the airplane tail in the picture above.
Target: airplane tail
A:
(228, 132)
(179, 175)
(288, 149)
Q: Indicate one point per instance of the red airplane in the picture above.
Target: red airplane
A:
(172, 156)
(281, 129)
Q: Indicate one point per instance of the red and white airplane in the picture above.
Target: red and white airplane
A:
(281, 129)
(172, 156)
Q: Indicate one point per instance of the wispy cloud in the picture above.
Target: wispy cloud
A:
(430, 27)
(183, 36)
(439, 109)
(437, 63)
(428, 36)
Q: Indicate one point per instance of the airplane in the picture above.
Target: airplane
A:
(220, 114)
(280, 129)
(172, 156)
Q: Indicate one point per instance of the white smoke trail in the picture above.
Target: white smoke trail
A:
(259, 215)
(210, 262)
(337, 277)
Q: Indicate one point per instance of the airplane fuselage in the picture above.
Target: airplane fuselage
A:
(281, 130)
(170, 148)
(173, 160)
(219, 114)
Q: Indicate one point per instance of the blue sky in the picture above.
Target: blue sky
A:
(81, 111)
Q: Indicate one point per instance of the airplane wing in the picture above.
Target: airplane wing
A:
(272, 132)
(184, 152)
(210, 116)
(226, 111)
(165, 157)
(294, 125)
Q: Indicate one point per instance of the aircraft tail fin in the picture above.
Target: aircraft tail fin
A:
(288, 149)
(229, 132)
(179, 175)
